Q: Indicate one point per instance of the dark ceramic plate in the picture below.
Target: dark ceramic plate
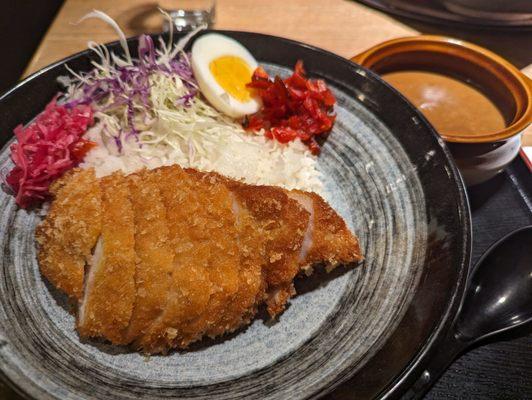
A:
(360, 333)
(435, 12)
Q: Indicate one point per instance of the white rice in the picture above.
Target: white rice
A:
(251, 158)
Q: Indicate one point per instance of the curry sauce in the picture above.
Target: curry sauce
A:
(451, 105)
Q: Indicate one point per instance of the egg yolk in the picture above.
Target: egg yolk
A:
(232, 74)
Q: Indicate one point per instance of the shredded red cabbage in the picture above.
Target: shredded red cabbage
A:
(46, 148)
(129, 84)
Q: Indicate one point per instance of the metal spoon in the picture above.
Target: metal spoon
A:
(498, 299)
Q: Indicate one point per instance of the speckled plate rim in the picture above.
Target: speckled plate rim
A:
(411, 378)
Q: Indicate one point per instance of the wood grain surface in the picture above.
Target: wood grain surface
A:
(343, 27)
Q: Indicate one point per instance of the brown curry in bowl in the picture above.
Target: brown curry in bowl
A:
(477, 101)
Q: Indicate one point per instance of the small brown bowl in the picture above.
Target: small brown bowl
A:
(481, 156)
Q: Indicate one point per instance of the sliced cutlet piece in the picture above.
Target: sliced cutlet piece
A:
(240, 234)
(109, 293)
(190, 287)
(70, 230)
(328, 240)
(155, 256)
(214, 229)
(283, 222)
(252, 283)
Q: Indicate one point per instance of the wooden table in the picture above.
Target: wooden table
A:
(345, 28)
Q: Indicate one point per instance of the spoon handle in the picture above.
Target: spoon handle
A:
(446, 352)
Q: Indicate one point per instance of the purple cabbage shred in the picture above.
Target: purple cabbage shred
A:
(131, 82)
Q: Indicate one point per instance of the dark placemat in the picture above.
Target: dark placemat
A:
(497, 370)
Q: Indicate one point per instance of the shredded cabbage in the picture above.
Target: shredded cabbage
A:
(151, 113)
(122, 85)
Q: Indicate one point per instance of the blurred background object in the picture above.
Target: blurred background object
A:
(27, 21)
(188, 15)
(507, 14)
(504, 10)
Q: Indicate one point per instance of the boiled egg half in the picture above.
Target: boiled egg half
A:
(223, 67)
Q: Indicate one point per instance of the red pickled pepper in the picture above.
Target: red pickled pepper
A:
(46, 149)
(295, 107)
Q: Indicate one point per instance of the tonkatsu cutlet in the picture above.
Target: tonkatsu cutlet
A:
(155, 256)
(109, 290)
(190, 288)
(206, 260)
(70, 231)
(178, 255)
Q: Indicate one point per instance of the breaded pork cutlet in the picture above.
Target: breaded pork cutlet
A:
(184, 254)
(109, 290)
(214, 228)
(70, 231)
(190, 288)
(208, 241)
(327, 238)
(282, 221)
(155, 256)
(252, 282)
(251, 243)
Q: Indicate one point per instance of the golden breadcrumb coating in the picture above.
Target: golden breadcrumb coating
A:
(70, 230)
(107, 304)
(155, 256)
(214, 237)
(251, 283)
(331, 242)
(181, 254)
(282, 222)
(190, 288)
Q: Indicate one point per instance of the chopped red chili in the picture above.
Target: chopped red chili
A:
(295, 107)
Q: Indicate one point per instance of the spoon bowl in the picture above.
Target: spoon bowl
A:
(499, 294)
(498, 299)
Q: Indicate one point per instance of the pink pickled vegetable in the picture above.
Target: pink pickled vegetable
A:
(47, 148)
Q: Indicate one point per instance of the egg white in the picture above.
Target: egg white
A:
(208, 48)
